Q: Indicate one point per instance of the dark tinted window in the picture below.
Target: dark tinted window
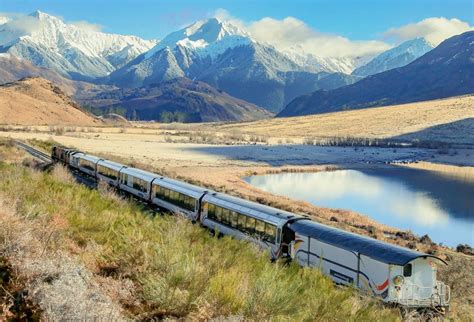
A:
(407, 270)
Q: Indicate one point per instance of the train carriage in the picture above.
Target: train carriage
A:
(88, 164)
(137, 182)
(177, 196)
(242, 219)
(109, 171)
(394, 273)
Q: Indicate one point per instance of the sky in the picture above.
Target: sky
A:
(330, 25)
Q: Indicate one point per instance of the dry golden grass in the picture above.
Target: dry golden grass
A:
(460, 173)
(381, 122)
(37, 101)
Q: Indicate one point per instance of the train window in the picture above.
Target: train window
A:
(233, 219)
(260, 227)
(270, 232)
(407, 270)
(241, 222)
(124, 178)
(211, 211)
(218, 213)
(225, 216)
(250, 225)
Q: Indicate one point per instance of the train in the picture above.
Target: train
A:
(395, 274)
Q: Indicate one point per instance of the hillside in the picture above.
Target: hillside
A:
(448, 120)
(180, 100)
(36, 101)
(447, 70)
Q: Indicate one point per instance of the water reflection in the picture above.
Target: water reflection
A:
(421, 201)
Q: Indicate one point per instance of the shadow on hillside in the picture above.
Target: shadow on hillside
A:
(460, 132)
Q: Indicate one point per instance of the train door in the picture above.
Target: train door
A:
(287, 237)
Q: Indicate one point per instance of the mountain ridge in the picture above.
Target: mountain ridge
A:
(447, 70)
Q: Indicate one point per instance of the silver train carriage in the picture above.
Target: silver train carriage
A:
(137, 182)
(396, 274)
(88, 164)
(242, 219)
(178, 197)
(109, 172)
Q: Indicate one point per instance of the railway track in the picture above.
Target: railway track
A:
(34, 152)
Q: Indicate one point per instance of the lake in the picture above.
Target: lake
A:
(421, 201)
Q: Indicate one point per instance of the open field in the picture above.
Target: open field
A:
(383, 122)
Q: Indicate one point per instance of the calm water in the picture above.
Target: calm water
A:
(421, 201)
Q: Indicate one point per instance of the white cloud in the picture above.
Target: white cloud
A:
(24, 24)
(291, 32)
(82, 24)
(434, 29)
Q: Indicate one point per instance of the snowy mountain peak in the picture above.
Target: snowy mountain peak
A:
(48, 41)
(206, 37)
(41, 15)
(398, 56)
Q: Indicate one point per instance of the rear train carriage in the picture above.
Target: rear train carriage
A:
(88, 164)
(394, 273)
(109, 172)
(178, 197)
(137, 182)
(242, 219)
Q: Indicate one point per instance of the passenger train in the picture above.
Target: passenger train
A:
(395, 274)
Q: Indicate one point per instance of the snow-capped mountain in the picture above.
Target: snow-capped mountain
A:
(80, 53)
(207, 38)
(4, 20)
(445, 71)
(226, 57)
(396, 57)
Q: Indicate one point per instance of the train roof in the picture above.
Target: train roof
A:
(373, 248)
(90, 158)
(267, 213)
(111, 164)
(140, 174)
(180, 186)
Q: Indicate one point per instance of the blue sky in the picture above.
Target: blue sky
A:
(356, 20)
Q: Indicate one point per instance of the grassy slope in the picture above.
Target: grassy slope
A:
(176, 268)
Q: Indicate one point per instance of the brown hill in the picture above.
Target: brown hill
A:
(177, 100)
(36, 101)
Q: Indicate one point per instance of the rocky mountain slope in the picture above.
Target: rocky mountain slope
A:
(68, 49)
(227, 58)
(396, 57)
(177, 100)
(447, 70)
(36, 101)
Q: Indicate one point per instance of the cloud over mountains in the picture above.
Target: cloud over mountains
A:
(292, 33)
